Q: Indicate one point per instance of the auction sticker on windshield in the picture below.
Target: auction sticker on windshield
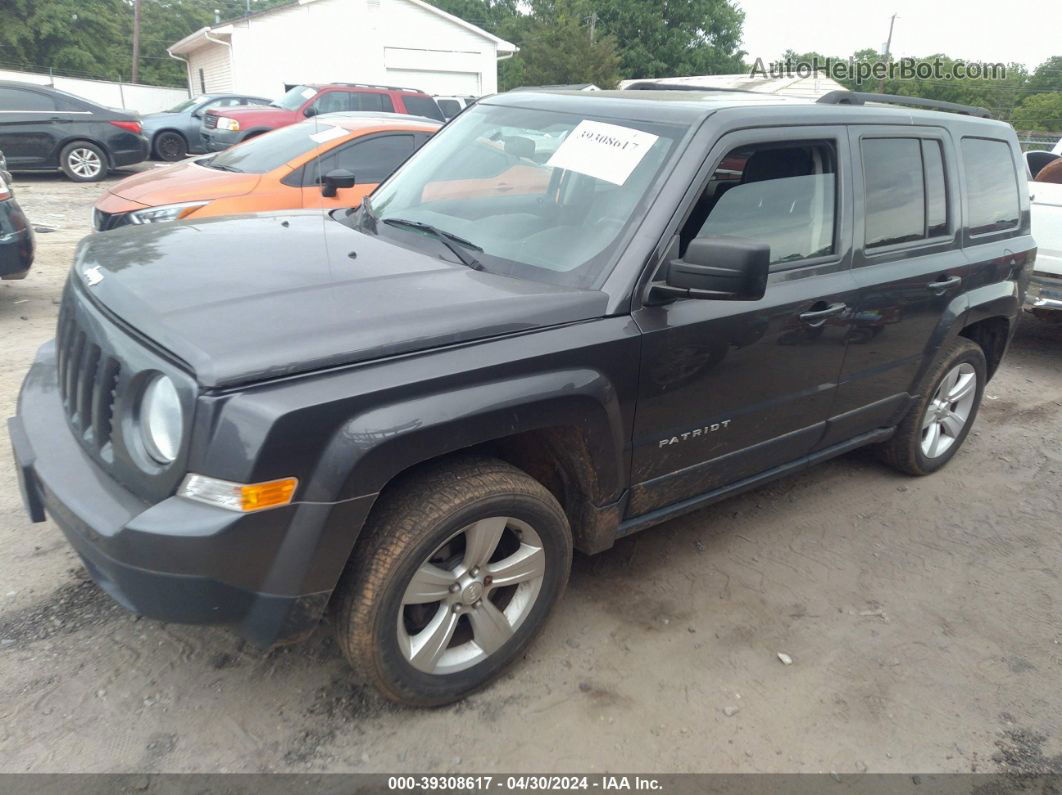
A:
(327, 134)
(603, 151)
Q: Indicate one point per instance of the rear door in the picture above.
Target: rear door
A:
(909, 266)
(32, 124)
(729, 389)
(370, 159)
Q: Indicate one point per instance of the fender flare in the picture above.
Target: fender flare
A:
(370, 449)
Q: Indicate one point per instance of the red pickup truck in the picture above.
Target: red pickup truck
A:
(224, 127)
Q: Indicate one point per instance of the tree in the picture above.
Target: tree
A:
(565, 52)
(1039, 113)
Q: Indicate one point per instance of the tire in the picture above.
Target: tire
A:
(444, 515)
(907, 449)
(170, 146)
(83, 162)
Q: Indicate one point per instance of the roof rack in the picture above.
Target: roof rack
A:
(861, 97)
(655, 85)
(371, 85)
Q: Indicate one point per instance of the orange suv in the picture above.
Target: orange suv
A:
(329, 161)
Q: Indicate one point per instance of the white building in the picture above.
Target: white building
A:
(406, 43)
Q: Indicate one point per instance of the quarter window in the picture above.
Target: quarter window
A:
(782, 194)
(991, 185)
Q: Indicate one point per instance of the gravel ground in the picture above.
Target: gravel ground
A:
(921, 617)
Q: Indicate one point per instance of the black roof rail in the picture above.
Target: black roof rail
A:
(862, 97)
(654, 85)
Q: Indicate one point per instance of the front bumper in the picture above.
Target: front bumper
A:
(1044, 293)
(176, 560)
(218, 140)
(17, 244)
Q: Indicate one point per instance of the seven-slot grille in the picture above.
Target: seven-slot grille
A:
(88, 381)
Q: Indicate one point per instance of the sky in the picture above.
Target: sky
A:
(973, 30)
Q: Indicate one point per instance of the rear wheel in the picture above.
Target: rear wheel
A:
(937, 425)
(170, 146)
(456, 573)
(83, 162)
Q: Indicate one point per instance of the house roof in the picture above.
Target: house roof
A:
(194, 41)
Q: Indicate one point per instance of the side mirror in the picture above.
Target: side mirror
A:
(310, 111)
(197, 114)
(336, 179)
(723, 268)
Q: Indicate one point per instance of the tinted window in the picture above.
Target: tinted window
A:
(373, 102)
(17, 99)
(269, 151)
(936, 191)
(779, 195)
(420, 105)
(449, 107)
(370, 161)
(895, 195)
(991, 185)
(333, 102)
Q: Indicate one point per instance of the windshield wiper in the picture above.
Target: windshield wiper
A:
(448, 239)
(221, 167)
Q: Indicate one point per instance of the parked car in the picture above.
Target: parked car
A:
(409, 414)
(329, 161)
(43, 129)
(223, 128)
(176, 132)
(451, 106)
(1037, 161)
(16, 234)
(1045, 291)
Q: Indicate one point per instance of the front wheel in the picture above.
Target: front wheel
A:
(456, 572)
(937, 425)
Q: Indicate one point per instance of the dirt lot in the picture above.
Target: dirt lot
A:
(922, 618)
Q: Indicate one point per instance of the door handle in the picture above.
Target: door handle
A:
(951, 281)
(816, 317)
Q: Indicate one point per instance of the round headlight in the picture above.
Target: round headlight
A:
(161, 423)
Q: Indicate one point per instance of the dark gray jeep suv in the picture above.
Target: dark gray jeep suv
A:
(568, 317)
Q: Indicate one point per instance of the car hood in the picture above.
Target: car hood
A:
(274, 294)
(185, 181)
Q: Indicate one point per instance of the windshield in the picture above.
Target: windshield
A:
(272, 150)
(294, 99)
(542, 195)
(180, 107)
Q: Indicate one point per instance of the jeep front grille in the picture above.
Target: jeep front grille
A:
(88, 382)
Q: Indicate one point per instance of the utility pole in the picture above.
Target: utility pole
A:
(136, 41)
(888, 46)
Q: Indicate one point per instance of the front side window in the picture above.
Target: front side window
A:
(542, 195)
(333, 102)
(782, 194)
(991, 185)
(295, 98)
(369, 161)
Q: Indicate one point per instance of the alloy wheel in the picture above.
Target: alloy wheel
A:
(471, 595)
(85, 163)
(949, 410)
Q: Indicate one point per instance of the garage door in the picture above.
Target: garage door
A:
(457, 83)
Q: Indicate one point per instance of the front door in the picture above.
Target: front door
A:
(370, 159)
(729, 389)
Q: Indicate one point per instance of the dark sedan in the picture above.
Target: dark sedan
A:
(175, 133)
(16, 234)
(43, 129)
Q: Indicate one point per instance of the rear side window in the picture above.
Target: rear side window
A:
(991, 185)
(936, 192)
(371, 102)
(420, 105)
(895, 194)
(17, 99)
